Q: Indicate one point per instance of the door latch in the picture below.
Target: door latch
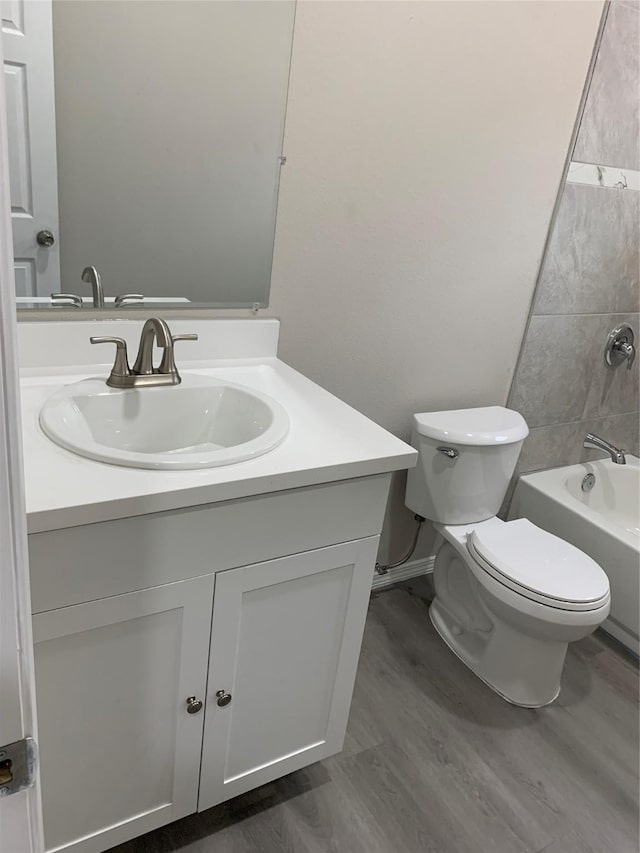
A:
(18, 762)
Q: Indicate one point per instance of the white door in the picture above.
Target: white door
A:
(27, 41)
(278, 704)
(119, 742)
(20, 816)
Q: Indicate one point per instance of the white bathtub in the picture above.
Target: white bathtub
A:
(603, 522)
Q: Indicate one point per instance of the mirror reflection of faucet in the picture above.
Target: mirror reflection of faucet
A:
(619, 347)
(123, 298)
(66, 300)
(93, 277)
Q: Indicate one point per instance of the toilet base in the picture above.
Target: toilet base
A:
(524, 671)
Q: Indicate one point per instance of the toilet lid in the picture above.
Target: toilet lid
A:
(537, 563)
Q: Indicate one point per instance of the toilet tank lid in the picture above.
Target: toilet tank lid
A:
(478, 427)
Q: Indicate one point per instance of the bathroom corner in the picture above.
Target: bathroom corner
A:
(589, 279)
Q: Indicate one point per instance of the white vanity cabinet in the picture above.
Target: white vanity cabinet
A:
(120, 752)
(134, 617)
(284, 651)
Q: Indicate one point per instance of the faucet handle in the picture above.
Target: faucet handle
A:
(168, 363)
(61, 300)
(630, 352)
(121, 363)
(190, 337)
(123, 298)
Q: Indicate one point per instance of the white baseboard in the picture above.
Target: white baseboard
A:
(403, 573)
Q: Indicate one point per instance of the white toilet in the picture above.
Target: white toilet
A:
(509, 596)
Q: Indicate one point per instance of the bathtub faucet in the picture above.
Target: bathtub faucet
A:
(598, 443)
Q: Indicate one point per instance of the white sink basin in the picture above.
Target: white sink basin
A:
(201, 423)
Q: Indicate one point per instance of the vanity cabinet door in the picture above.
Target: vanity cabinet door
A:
(120, 752)
(284, 652)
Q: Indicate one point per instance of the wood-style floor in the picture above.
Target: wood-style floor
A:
(435, 761)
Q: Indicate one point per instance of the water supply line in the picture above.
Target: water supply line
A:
(382, 569)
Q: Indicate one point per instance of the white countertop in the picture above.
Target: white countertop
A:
(327, 441)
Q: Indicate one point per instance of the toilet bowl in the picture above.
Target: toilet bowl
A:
(509, 597)
(513, 636)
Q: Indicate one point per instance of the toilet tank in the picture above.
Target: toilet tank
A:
(466, 459)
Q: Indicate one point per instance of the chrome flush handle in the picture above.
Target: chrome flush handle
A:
(451, 452)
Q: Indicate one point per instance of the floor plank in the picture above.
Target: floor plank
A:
(435, 761)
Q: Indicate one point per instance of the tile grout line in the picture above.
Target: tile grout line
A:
(586, 420)
(633, 311)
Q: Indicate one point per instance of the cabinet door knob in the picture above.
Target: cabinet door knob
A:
(223, 698)
(193, 705)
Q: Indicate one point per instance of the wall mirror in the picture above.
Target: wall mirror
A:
(145, 142)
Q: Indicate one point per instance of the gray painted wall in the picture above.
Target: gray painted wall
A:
(589, 281)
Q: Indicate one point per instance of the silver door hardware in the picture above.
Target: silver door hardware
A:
(45, 238)
(451, 452)
(193, 705)
(223, 698)
(619, 347)
(18, 762)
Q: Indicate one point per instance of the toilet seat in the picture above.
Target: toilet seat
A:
(537, 565)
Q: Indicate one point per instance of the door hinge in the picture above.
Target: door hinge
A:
(18, 763)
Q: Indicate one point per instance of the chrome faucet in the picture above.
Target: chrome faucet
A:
(597, 443)
(143, 373)
(92, 277)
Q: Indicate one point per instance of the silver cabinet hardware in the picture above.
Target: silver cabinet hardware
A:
(223, 698)
(45, 238)
(18, 762)
(194, 706)
(451, 452)
(619, 346)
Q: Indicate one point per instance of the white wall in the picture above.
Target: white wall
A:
(425, 144)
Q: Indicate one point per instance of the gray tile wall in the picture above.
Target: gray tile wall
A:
(589, 282)
(610, 123)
